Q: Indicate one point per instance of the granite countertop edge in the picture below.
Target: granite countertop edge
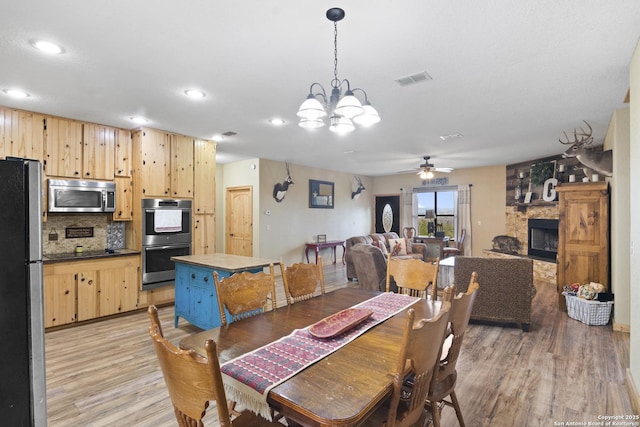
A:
(84, 257)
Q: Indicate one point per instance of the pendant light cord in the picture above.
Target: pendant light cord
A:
(335, 82)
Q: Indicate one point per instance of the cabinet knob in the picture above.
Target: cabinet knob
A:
(193, 276)
(206, 278)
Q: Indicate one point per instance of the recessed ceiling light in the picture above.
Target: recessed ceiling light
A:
(450, 136)
(194, 93)
(218, 137)
(16, 93)
(138, 119)
(47, 47)
(276, 122)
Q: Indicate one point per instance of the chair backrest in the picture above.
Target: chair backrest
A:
(192, 380)
(461, 306)
(153, 316)
(245, 294)
(301, 280)
(409, 232)
(435, 246)
(418, 353)
(413, 276)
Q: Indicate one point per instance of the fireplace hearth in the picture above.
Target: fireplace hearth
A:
(543, 238)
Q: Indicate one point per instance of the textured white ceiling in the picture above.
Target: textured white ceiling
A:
(510, 75)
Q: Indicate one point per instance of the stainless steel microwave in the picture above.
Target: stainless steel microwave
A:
(70, 195)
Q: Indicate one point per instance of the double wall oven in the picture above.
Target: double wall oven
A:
(166, 232)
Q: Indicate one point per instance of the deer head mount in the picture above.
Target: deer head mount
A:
(280, 189)
(597, 161)
(355, 194)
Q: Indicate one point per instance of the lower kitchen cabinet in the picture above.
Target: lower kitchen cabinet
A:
(196, 298)
(82, 290)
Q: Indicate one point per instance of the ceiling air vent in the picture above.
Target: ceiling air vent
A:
(414, 78)
(230, 133)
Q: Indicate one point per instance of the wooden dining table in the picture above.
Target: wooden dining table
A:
(343, 388)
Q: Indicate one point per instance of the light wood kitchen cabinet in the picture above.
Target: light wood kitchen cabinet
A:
(98, 151)
(124, 199)
(154, 150)
(123, 163)
(204, 234)
(63, 148)
(88, 289)
(181, 166)
(583, 235)
(21, 134)
(59, 297)
(204, 181)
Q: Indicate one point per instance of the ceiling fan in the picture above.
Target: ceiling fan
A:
(426, 170)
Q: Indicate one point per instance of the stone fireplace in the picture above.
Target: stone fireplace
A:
(517, 225)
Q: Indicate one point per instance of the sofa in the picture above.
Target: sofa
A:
(371, 267)
(383, 242)
(506, 288)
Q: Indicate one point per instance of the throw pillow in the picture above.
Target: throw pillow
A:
(380, 245)
(398, 246)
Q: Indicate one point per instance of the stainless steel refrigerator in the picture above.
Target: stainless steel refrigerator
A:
(22, 367)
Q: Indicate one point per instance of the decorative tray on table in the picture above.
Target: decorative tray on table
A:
(340, 322)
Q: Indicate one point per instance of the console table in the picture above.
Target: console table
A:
(330, 244)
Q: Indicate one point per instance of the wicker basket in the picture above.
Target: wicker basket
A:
(588, 311)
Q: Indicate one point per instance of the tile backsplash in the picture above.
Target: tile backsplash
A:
(106, 233)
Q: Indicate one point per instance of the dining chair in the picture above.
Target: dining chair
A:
(458, 249)
(301, 280)
(193, 381)
(245, 294)
(445, 376)
(418, 357)
(413, 276)
(409, 232)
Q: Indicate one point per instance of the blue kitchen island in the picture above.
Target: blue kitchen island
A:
(196, 298)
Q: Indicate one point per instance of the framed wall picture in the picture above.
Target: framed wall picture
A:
(320, 194)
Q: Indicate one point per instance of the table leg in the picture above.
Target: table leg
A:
(343, 250)
(335, 259)
(306, 253)
(317, 254)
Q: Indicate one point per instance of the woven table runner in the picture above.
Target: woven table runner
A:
(248, 378)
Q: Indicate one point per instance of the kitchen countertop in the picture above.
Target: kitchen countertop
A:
(85, 255)
(225, 262)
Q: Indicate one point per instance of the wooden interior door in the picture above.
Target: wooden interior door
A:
(239, 221)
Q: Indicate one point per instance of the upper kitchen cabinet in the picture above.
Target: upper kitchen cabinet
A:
(63, 147)
(204, 183)
(181, 166)
(21, 134)
(98, 151)
(152, 156)
(165, 162)
(123, 166)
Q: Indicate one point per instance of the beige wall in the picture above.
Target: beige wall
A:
(617, 140)
(488, 196)
(282, 234)
(634, 178)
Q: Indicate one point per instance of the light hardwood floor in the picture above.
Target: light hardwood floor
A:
(106, 373)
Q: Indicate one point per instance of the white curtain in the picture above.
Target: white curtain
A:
(409, 211)
(464, 216)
